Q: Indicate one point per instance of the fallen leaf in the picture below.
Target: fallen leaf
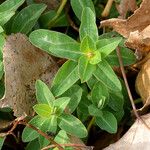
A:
(143, 83)
(23, 65)
(138, 21)
(125, 6)
(136, 138)
(139, 40)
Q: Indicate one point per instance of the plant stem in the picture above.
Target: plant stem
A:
(90, 124)
(49, 138)
(107, 8)
(61, 7)
(128, 89)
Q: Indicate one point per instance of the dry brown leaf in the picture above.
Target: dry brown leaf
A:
(138, 21)
(137, 137)
(23, 65)
(139, 40)
(125, 6)
(143, 83)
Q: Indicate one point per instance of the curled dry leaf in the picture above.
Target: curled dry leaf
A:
(138, 21)
(139, 40)
(23, 65)
(143, 83)
(137, 137)
(125, 6)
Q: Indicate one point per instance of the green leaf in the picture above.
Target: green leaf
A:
(75, 93)
(1, 69)
(116, 101)
(106, 46)
(106, 75)
(66, 76)
(1, 29)
(100, 95)
(96, 58)
(85, 69)
(72, 126)
(94, 111)
(43, 110)
(2, 42)
(79, 5)
(33, 145)
(107, 121)
(61, 104)
(84, 103)
(2, 139)
(49, 125)
(43, 93)
(10, 5)
(62, 138)
(87, 45)
(91, 82)
(88, 25)
(26, 18)
(30, 134)
(7, 10)
(55, 43)
(61, 21)
(127, 55)
(5, 17)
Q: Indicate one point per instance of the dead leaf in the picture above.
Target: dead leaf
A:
(23, 65)
(143, 83)
(138, 21)
(125, 6)
(137, 137)
(139, 40)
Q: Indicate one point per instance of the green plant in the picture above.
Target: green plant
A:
(85, 91)
(87, 62)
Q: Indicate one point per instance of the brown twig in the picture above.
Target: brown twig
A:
(21, 120)
(68, 145)
(128, 89)
(49, 138)
(72, 24)
(107, 8)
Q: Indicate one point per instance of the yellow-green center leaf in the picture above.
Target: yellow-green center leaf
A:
(43, 110)
(96, 58)
(85, 69)
(87, 45)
